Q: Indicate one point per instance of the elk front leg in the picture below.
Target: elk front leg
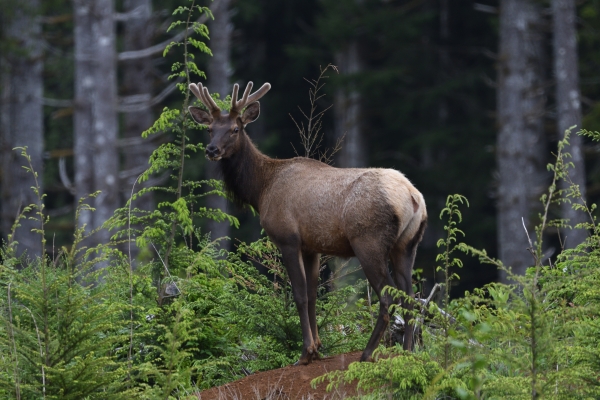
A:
(294, 265)
(311, 266)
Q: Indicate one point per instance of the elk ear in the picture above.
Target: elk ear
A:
(251, 113)
(200, 116)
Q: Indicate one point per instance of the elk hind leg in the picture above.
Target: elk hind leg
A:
(403, 258)
(374, 264)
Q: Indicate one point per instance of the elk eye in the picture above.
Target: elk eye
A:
(236, 129)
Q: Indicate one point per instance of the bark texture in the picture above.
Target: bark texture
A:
(219, 73)
(347, 111)
(95, 114)
(21, 121)
(521, 144)
(568, 107)
(137, 87)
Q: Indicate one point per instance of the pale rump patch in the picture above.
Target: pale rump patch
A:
(415, 204)
(407, 202)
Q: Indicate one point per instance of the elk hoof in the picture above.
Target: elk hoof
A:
(318, 344)
(308, 356)
(303, 361)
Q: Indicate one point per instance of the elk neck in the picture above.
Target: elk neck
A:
(247, 173)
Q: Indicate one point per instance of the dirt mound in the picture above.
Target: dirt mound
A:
(288, 383)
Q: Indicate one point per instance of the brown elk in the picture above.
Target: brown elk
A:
(308, 208)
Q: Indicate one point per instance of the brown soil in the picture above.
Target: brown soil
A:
(288, 383)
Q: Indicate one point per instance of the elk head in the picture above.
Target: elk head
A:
(225, 128)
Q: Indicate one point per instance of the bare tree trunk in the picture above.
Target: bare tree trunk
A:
(21, 121)
(219, 72)
(568, 107)
(137, 83)
(346, 108)
(82, 114)
(95, 119)
(521, 144)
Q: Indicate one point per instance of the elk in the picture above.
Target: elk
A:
(309, 208)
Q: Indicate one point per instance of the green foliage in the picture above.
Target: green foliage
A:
(59, 335)
(396, 374)
(38, 208)
(449, 246)
(58, 329)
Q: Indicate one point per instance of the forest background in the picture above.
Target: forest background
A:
(419, 88)
(462, 97)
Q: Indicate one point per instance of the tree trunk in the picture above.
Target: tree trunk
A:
(219, 71)
(95, 114)
(346, 109)
(521, 144)
(82, 113)
(21, 122)
(137, 81)
(568, 107)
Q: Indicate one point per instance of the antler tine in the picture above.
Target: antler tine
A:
(201, 92)
(244, 100)
(212, 106)
(259, 93)
(234, 96)
(194, 89)
(236, 106)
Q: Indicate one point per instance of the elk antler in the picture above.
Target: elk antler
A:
(247, 98)
(201, 92)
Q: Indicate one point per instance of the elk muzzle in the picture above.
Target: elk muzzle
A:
(213, 153)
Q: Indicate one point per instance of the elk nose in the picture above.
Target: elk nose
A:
(212, 151)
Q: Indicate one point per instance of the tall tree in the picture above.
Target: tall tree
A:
(138, 31)
(568, 106)
(219, 73)
(347, 108)
(95, 114)
(21, 119)
(520, 143)
(342, 27)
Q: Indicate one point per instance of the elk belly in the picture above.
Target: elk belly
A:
(324, 239)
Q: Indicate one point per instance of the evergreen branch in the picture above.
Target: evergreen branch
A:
(159, 48)
(14, 344)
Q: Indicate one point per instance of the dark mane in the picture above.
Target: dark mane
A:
(244, 173)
